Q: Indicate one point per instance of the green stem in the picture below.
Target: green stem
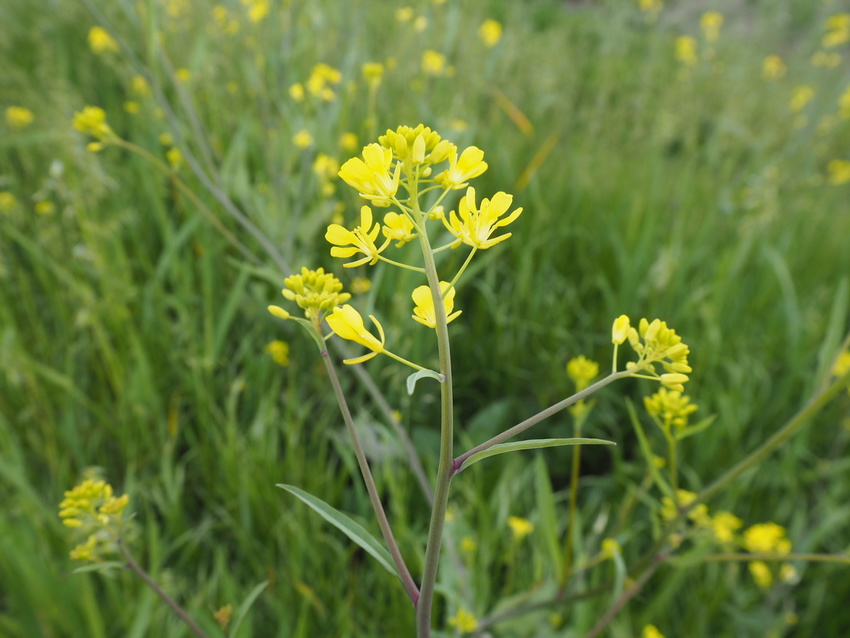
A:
(574, 476)
(402, 360)
(671, 457)
(445, 469)
(374, 497)
(401, 265)
(540, 416)
(150, 582)
(462, 268)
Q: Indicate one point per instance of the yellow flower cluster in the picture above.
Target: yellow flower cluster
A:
(490, 32)
(686, 50)
(520, 527)
(18, 117)
(279, 351)
(670, 409)
(93, 509)
(837, 31)
(101, 42)
(839, 172)
(773, 68)
(464, 621)
(315, 291)
(257, 9)
(582, 371)
(92, 121)
(768, 538)
(710, 23)
(654, 343)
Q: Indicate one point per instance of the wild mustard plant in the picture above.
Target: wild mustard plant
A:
(413, 171)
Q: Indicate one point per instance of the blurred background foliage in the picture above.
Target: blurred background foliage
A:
(697, 180)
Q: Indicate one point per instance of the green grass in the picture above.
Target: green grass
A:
(132, 332)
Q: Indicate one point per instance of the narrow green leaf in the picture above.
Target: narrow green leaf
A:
(531, 444)
(347, 526)
(422, 374)
(100, 567)
(647, 453)
(246, 605)
(696, 428)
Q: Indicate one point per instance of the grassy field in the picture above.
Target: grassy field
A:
(703, 180)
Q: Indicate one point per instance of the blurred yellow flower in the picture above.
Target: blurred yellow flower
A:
(670, 409)
(296, 92)
(826, 60)
(321, 78)
(183, 75)
(610, 547)
(223, 615)
(433, 62)
(839, 172)
(347, 323)
(582, 371)
(837, 30)
(279, 351)
(302, 139)
(710, 23)
(8, 202)
(257, 9)
(761, 573)
(404, 14)
(420, 24)
(686, 50)
(101, 42)
(490, 32)
(800, 97)
(132, 107)
(650, 6)
(18, 117)
(424, 311)
(468, 545)
(766, 538)
(45, 207)
(724, 525)
(175, 158)
(140, 86)
(773, 68)
(360, 286)
(520, 527)
(473, 226)
(373, 73)
(349, 142)
(651, 631)
(842, 364)
(464, 621)
(92, 121)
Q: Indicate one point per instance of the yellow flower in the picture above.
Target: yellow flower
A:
(620, 330)
(669, 409)
(325, 166)
(651, 631)
(670, 510)
(837, 30)
(371, 175)
(296, 92)
(348, 142)
(660, 345)
(582, 371)
(610, 547)
(464, 621)
(490, 32)
(827, 60)
(140, 86)
(45, 207)
(473, 227)
(710, 23)
(839, 172)
(470, 165)
(175, 158)
(8, 202)
(650, 6)
(787, 573)
(404, 14)
(257, 9)
(417, 146)
(520, 527)
(361, 285)
(424, 311)
(348, 243)
(302, 139)
(433, 62)
(223, 616)
(93, 509)
(18, 117)
(773, 68)
(321, 77)
(132, 107)
(761, 573)
(842, 364)
(398, 228)
(279, 351)
(314, 291)
(468, 545)
(101, 42)
(92, 121)
(347, 323)
(724, 525)
(686, 50)
(373, 73)
(800, 97)
(766, 538)
(183, 75)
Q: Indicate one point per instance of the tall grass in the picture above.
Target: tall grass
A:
(132, 331)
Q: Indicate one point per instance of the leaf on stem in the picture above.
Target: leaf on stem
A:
(422, 374)
(531, 444)
(648, 455)
(245, 606)
(696, 428)
(347, 526)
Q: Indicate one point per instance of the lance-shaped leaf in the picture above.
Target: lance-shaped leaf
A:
(422, 374)
(531, 444)
(354, 530)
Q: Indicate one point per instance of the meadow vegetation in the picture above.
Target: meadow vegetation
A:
(669, 165)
